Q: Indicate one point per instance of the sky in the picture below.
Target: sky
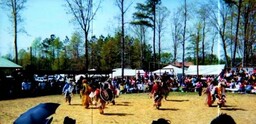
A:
(45, 17)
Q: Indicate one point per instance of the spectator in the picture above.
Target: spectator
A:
(223, 119)
(199, 87)
(161, 121)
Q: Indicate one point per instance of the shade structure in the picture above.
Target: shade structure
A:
(127, 72)
(117, 72)
(174, 68)
(5, 63)
(205, 69)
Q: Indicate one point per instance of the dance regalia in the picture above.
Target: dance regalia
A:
(85, 91)
(216, 92)
(209, 99)
(102, 95)
(220, 90)
(157, 94)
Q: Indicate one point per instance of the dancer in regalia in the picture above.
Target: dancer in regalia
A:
(157, 94)
(216, 90)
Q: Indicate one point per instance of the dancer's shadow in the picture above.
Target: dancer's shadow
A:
(213, 106)
(116, 114)
(229, 108)
(177, 100)
(123, 104)
(233, 109)
(170, 109)
(76, 104)
(94, 107)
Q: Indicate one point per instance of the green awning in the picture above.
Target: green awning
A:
(5, 63)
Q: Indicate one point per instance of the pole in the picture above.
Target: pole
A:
(122, 40)
(31, 62)
(183, 43)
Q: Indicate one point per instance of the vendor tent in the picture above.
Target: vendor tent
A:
(5, 63)
(127, 72)
(161, 71)
(205, 69)
(168, 69)
(174, 68)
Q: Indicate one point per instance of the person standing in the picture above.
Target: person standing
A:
(156, 92)
(85, 92)
(67, 91)
(199, 86)
(79, 85)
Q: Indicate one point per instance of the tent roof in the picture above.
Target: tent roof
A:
(205, 69)
(176, 69)
(127, 72)
(161, 71)
(5, 63)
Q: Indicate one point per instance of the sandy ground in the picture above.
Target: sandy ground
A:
(181, 108)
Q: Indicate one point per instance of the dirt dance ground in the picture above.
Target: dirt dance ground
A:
(181, 108)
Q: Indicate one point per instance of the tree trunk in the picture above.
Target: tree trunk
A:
(246, 36)
(15, 38)
(122, 40)
(203, 38)
(237, 29)
(154, 35)
(159, 45)
(197, 55)
(183, 44)
(86, 53)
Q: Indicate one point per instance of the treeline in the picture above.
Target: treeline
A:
(104, 54)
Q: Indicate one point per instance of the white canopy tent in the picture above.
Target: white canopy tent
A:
(205, 69)
(169, 69)
(161, 71)
(127, 72)
(175, 69)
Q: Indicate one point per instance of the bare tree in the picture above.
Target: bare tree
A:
(218, 19)
(176, 34)
(83, 13)
(15, 7)
(120, 4)
(162, 15)
(203, 18)
(249, 28)
(237, 30)
(140, 33)
(184, 39)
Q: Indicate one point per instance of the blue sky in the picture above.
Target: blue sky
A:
(45, 17)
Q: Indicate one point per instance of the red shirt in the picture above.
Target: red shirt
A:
(155, 88)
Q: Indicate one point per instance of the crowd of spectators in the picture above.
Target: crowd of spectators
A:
(237, 80)
(240, 80)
